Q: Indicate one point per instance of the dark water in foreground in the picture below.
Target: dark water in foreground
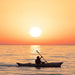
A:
(10, 54)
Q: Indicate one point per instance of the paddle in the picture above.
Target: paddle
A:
(41, 55)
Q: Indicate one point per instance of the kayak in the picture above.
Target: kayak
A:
(54, 64)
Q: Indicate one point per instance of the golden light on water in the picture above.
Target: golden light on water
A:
(33, 48)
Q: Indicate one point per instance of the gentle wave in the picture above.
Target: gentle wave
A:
(6, 65)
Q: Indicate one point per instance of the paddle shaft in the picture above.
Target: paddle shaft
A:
(41, 55)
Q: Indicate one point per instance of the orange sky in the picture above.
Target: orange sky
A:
(56, 19)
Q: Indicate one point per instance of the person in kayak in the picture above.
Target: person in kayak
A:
(38, 60)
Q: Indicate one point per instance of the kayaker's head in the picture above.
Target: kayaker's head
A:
(38, 57)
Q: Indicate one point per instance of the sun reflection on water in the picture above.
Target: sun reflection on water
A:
(33, 48)
(33, 52)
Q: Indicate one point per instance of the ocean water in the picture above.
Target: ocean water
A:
(11, 54)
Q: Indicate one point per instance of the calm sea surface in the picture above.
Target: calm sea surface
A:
(10, 54)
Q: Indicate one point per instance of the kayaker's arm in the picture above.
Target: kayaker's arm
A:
(41, 56)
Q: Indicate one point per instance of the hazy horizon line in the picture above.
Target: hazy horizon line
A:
(37, 44)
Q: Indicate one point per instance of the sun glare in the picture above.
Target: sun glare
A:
(35, 32)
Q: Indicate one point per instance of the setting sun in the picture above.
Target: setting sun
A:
(35, 32)
(37, 22)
